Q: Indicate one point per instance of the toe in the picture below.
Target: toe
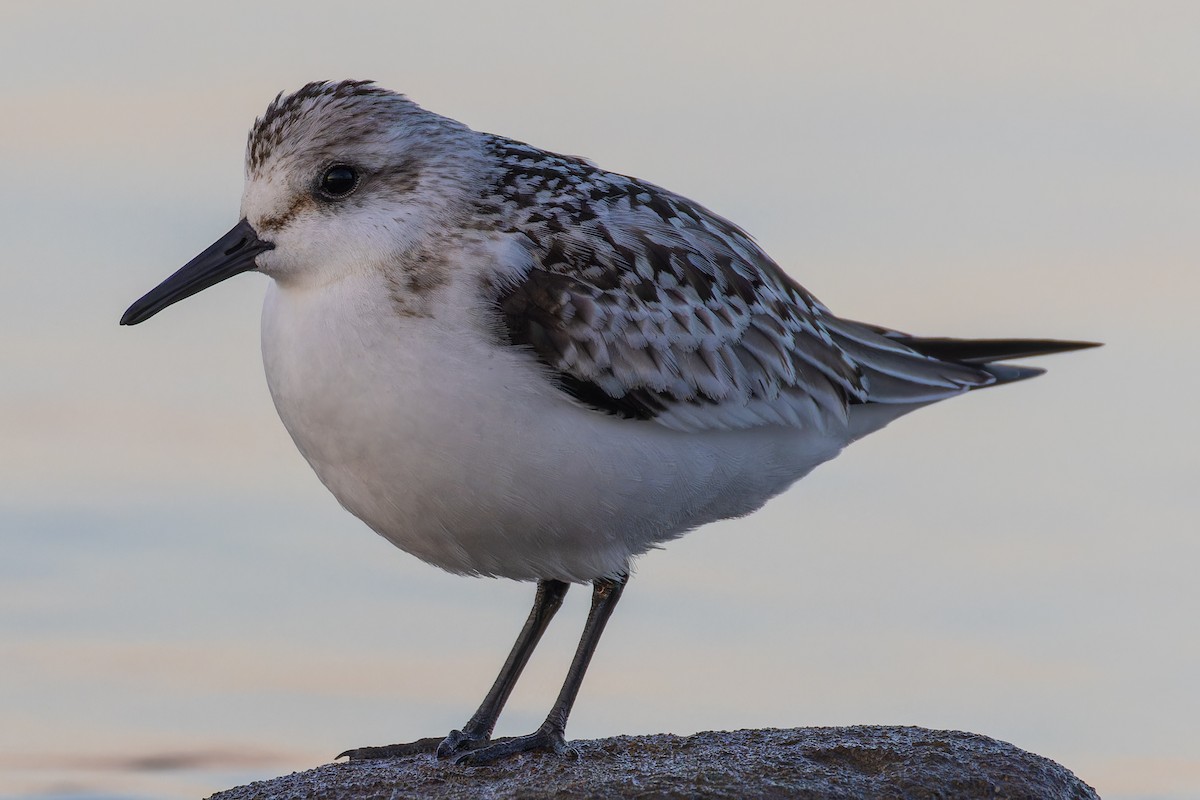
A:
(427, 745)
(542, 740)
(458, 742)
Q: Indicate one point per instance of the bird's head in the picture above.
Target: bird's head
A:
(340, 177)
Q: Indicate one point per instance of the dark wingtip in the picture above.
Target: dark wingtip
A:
(985, 351)
(1067, 346)
(1010, 373)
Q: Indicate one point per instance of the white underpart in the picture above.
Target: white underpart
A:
(462, 453)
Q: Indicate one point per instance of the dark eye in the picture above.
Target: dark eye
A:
(338, 181)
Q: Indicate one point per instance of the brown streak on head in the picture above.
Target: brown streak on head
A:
(271, 128)
(274, 223)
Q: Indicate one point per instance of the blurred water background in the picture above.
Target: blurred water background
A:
(184, 608)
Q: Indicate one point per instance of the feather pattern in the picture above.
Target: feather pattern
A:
(647, 305)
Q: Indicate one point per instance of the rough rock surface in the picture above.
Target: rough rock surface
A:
(825, 763)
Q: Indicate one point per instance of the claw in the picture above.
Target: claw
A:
(459, 742)
(544, 739)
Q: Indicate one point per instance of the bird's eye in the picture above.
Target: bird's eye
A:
(338, 181)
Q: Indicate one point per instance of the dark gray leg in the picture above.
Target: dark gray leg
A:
(552, 733)
(478, 729)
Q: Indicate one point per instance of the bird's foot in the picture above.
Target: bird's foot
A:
(544, 739)
(460, 742)
(427, 745)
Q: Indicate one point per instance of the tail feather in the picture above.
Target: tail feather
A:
(906, 372)
(905, 369)
(1009, 373)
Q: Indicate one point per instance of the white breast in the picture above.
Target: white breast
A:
(461, 451)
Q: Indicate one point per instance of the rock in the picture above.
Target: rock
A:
(813, 763)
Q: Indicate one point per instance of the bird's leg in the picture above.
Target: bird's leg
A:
(552, 733)
(478, 729)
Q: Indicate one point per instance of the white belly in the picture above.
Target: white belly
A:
(457, 450)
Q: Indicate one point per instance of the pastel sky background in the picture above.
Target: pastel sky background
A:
(184, 608)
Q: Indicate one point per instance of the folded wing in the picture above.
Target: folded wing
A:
(645, 305)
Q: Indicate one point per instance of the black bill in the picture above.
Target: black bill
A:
(230, 255)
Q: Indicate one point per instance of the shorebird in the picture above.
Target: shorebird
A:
(510, 362)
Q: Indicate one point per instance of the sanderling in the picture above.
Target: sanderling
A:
(510, 362)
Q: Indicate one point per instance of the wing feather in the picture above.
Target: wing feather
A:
(646, 305)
